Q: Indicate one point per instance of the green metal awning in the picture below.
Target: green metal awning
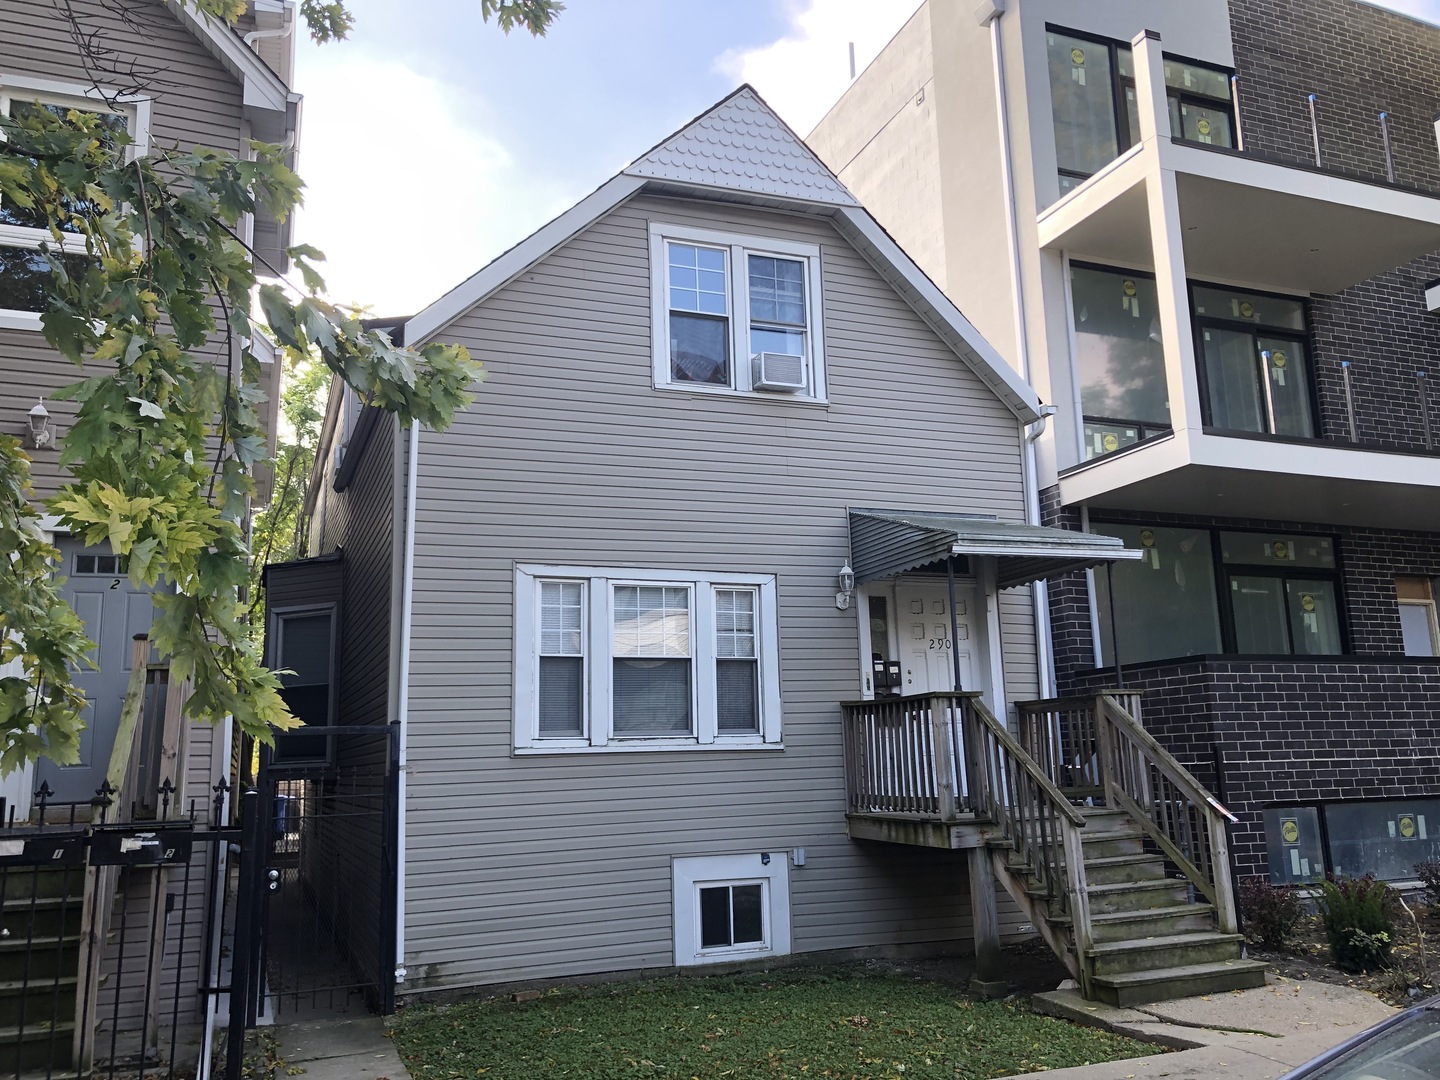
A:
(884, 543)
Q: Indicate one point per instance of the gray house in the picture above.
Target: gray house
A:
(706, 634)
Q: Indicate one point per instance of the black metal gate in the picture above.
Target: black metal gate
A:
(324, 892)
(110, 936)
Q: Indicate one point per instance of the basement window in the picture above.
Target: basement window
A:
(731, 907)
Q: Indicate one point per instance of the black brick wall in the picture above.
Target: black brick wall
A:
(1308, 729)
(1360, 61)
(1292, 731)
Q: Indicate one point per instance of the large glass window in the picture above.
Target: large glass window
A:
(651, 647)
(1284, 593)
(1255, 362)
(1095, 106)
(1276, 594)
(1164, 605)
(1386, 839)
(1119, 357)
(1082, 96)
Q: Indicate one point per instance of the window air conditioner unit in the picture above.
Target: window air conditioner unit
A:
(779, 371)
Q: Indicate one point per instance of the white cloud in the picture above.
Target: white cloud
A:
(405, 195)
(807, 70)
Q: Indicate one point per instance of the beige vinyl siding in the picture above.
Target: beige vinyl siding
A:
(195, 102)
(525, 867)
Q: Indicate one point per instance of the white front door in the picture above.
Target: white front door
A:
(923, 633)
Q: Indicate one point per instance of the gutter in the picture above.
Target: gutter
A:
(989, 14)
(403, 695)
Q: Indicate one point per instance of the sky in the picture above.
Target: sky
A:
(431, 141)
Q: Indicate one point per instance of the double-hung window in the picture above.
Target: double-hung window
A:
(736, 314)
(610, 658)
(24, 269)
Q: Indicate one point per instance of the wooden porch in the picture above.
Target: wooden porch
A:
(1118, 854)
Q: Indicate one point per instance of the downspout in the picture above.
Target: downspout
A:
(403, 712)
(1040, 591)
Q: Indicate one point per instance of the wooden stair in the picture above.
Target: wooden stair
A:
(40, 930)
(1150, 939)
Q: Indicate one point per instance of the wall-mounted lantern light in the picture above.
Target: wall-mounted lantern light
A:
(40, 434)
(846, 578)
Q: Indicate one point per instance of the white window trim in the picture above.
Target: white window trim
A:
(80, 96)
(276, 629)
(692, 874)
(737, 247)
(599, 613)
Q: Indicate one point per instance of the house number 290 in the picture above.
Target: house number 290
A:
(939, 643)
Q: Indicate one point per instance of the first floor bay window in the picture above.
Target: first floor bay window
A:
(644, 659)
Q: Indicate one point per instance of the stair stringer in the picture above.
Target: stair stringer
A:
(1039, 911)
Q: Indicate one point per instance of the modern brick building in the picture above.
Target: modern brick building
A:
(1204, 232)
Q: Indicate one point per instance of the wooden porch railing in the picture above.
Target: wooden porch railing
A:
(1043, 827)
(906, 755)
(1095, 748)
(1184, 820)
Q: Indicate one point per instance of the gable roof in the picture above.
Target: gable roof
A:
(741, 143)
(263, 89)
(740, 150)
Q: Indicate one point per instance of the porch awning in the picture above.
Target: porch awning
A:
(884, 543)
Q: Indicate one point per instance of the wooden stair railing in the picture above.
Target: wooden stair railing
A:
(1184, 820)
(1043, 827)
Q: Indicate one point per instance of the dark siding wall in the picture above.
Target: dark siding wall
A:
(1360, 61)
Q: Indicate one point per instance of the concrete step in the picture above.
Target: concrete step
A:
(23, 882)
(43, 916)
(1102, 821)
(1174, 950)
(41, 957)
(1150, 922)
(1101, 845)
(1113, 869)
(1164, 984)
(1137, 895)
(42, 1047)
(39, 999)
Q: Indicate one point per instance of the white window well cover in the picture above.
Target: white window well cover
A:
(731, 907)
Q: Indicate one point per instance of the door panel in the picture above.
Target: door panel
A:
(923, 613)
(113, 612)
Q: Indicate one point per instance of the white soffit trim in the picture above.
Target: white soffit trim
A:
(741, 144)
(423, 325)
(263, 88)
(862, 230)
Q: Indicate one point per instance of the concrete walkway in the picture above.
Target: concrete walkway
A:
(1255, 1034)
(338, 1050)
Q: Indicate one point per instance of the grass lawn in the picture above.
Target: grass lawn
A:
(837, 1023)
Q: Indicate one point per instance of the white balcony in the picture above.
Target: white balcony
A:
(1200, 472)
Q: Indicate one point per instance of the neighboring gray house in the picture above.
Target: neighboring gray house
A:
(615, 610)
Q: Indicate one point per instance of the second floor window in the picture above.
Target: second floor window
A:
(1254, 362)
(24, 270)
(1095, 106)
(1119, 358)
(736, 314)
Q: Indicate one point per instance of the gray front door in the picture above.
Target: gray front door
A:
(114, 611)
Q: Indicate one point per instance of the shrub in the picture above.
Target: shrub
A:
(1358, 914)
(1429, 875)
(1269, 912)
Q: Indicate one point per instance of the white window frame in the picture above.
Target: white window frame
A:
(598, 735)
(737, 248)
(134, 107)
(690, 875)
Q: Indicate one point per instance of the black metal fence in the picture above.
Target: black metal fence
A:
(121, 939)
